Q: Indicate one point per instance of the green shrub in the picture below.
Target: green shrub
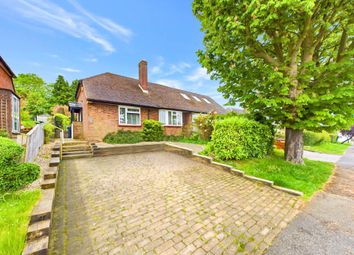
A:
(48, 132)
(14, 174)
(204, 124)
(123, 137)
(152, 130)
(10, 153)
(26, 120)
(16, 177)
(240, 138)
(314, 138)
(4, 133)
(61, 121)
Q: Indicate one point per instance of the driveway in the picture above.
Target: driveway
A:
(326, 226)
(163, 203)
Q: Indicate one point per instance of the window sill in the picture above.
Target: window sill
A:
(173, 126)
(129, 125)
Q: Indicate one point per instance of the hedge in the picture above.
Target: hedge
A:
(14, 174)
(313, 138)
(4, 133)
(152, 130)
(123, 137)
(240, 138)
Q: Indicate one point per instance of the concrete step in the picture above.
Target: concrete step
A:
(50, 173)
(43, 210)
(37, 247)
(54, 162)
(76, 152)
(87, 155)
(56, 147)
(38, 230)
(48, 184)
(76, 143)
(76, 148)
(55, 154)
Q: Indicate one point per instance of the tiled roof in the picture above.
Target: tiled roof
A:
(112, 88)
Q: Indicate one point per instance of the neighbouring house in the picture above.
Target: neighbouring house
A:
(9, 101)
(109, 102)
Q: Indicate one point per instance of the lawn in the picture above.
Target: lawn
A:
(330, 148)
(307, 178)
(15, 209)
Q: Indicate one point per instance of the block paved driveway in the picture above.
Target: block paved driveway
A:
(163, 203)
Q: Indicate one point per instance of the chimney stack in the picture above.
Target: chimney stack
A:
(143, 80)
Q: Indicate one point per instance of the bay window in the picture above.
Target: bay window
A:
(170, 118)
(129, 115)
(15, 114)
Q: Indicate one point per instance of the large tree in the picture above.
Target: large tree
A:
(290, 61)
(34, 93)
(61, 92)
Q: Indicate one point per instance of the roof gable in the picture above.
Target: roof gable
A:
(112, 88)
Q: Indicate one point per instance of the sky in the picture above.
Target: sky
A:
(78, 39)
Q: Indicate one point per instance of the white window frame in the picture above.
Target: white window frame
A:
(126, 107)
(15, 103)
(165, 123)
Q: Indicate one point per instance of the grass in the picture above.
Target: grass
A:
(15, 209)
(307, 178)
(330, 148)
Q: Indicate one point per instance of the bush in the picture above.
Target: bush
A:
(240, 138)
(48, 132)
(10, 153)
(123, 137)
(17, 177)
(14, 174)
(26, 120)
(313, 138)
(152, 130)
(204, 124)
(4, 133)
(61, 121)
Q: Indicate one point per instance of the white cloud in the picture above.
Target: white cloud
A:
(70, 70)
(171, 83)
(156, 69)
(199, 74)
(92, 60)
(105, 23)
(54, 56)
(73, 24)
(178, 68)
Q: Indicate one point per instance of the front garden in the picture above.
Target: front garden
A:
(15, 203)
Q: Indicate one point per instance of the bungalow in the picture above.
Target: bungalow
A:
(109, 102)
(9, 101)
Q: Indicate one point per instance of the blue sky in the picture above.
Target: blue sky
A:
(79, 38)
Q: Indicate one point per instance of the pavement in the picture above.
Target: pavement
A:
(321, 156)
(326, 225)
(163, 203)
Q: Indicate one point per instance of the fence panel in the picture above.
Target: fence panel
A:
(35, 140)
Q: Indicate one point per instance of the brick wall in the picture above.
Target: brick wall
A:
(5, 79)
(5, 110)
(99, 119)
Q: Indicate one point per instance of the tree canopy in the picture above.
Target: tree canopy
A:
(62, 92)
(290, 61)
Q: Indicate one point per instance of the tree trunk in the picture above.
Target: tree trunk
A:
(294, 145)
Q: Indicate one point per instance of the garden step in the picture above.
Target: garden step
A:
(50, 173)
(76, 148)
(43, 210)
(56, 147)
(55, 154)
(75, 152)
(37, 247)
(75, 143)
(87, 155)
(38, 229)
(54, 162)
(48, 184)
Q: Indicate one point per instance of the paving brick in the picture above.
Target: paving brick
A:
(161, 203)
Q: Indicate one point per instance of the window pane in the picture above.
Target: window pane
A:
(174, 118)
(162, 116)
(133, 118)
(122, 119)
(133, 110)
(169, 122)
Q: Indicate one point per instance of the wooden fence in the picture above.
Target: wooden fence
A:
(34, 141)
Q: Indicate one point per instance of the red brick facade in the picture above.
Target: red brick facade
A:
(6, 93)
(99, 119)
